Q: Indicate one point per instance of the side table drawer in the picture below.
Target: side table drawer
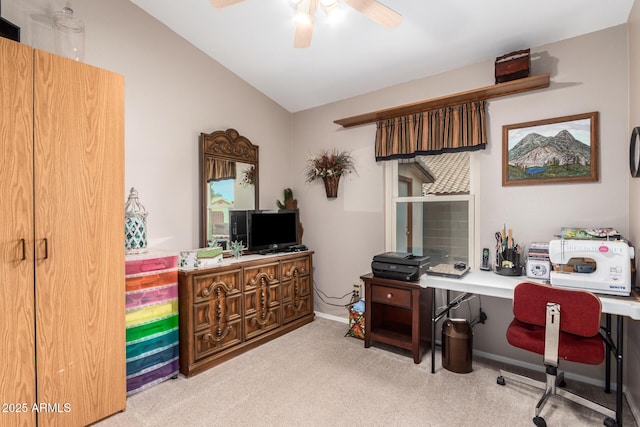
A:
(391, 296)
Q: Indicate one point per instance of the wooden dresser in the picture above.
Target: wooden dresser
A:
(231, 308)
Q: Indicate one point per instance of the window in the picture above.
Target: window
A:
(429, 207)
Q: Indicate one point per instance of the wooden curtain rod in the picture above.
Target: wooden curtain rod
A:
(494, 91)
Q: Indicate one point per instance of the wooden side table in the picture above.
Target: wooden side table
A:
(397, 313)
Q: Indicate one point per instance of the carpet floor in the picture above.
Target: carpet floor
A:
(315, 376)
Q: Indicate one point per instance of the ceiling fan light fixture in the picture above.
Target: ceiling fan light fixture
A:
(328, 3)
(302, 18)
(329, 6)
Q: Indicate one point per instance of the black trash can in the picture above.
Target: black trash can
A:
(457, 345)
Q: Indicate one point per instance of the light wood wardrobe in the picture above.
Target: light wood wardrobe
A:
(62, 333)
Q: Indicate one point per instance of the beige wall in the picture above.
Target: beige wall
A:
(632, 361)
(348, 231)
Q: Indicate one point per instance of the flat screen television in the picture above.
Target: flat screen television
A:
(272, 231)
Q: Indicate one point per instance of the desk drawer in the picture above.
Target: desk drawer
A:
(391, 296)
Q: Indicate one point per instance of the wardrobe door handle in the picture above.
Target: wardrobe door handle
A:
(46, 248)
(24, 249)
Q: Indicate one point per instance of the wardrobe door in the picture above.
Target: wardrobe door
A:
(17, 368)
(79, 235)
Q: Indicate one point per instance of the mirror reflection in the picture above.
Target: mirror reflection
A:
(225, 194)
(229, 181)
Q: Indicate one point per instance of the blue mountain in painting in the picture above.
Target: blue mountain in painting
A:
(537, 151)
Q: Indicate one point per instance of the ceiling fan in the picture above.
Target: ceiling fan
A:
(373, 9)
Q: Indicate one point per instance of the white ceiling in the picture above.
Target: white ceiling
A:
(254, 39)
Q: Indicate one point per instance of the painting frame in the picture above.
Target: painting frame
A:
(554, 164)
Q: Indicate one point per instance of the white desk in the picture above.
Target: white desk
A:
(490, 284)
(494, 285)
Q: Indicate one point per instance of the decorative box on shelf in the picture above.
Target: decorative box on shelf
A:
(512, 66)
(152, 351)
(198, 258)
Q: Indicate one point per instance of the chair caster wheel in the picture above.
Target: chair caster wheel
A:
(539, 422)
(500, 380)
(610, 422)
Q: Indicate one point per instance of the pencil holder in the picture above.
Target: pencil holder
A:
(508, 263)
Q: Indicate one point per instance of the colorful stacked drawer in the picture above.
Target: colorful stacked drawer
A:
(151, 319)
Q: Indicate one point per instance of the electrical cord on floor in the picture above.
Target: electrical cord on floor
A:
(321, 294)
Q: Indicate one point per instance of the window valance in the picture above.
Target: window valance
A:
(449, 129)
(219, 169)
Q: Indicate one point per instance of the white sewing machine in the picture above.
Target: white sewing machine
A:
(611, 273)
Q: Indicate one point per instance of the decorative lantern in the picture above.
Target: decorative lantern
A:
(135, 225)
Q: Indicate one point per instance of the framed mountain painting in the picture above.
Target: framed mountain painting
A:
(563, 149)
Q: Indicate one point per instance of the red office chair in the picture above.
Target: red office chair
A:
(559, 324)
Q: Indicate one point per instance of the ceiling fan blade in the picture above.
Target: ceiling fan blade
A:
(302, 38)
(377, 12)
(304, 26)
(224, 3)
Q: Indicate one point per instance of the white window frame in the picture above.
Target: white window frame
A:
(392, 199)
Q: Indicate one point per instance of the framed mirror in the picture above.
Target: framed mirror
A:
(228, 181)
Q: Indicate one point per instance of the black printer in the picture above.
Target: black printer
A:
(400, 266)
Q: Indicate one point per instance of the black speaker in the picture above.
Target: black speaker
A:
(238, 227)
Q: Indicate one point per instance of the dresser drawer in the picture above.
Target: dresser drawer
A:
(217, 338)
(207, 287)
(254, 277)
(391, 296)
(302, 265)
(297, 288)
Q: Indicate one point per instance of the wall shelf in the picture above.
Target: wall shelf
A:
(494, 91)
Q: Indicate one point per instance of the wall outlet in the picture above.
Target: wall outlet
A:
(357, 291)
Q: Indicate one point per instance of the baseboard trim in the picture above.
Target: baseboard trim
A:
(540, 368)
(332, 317)
(635, 411)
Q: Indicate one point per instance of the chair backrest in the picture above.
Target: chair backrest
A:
(580, 310)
